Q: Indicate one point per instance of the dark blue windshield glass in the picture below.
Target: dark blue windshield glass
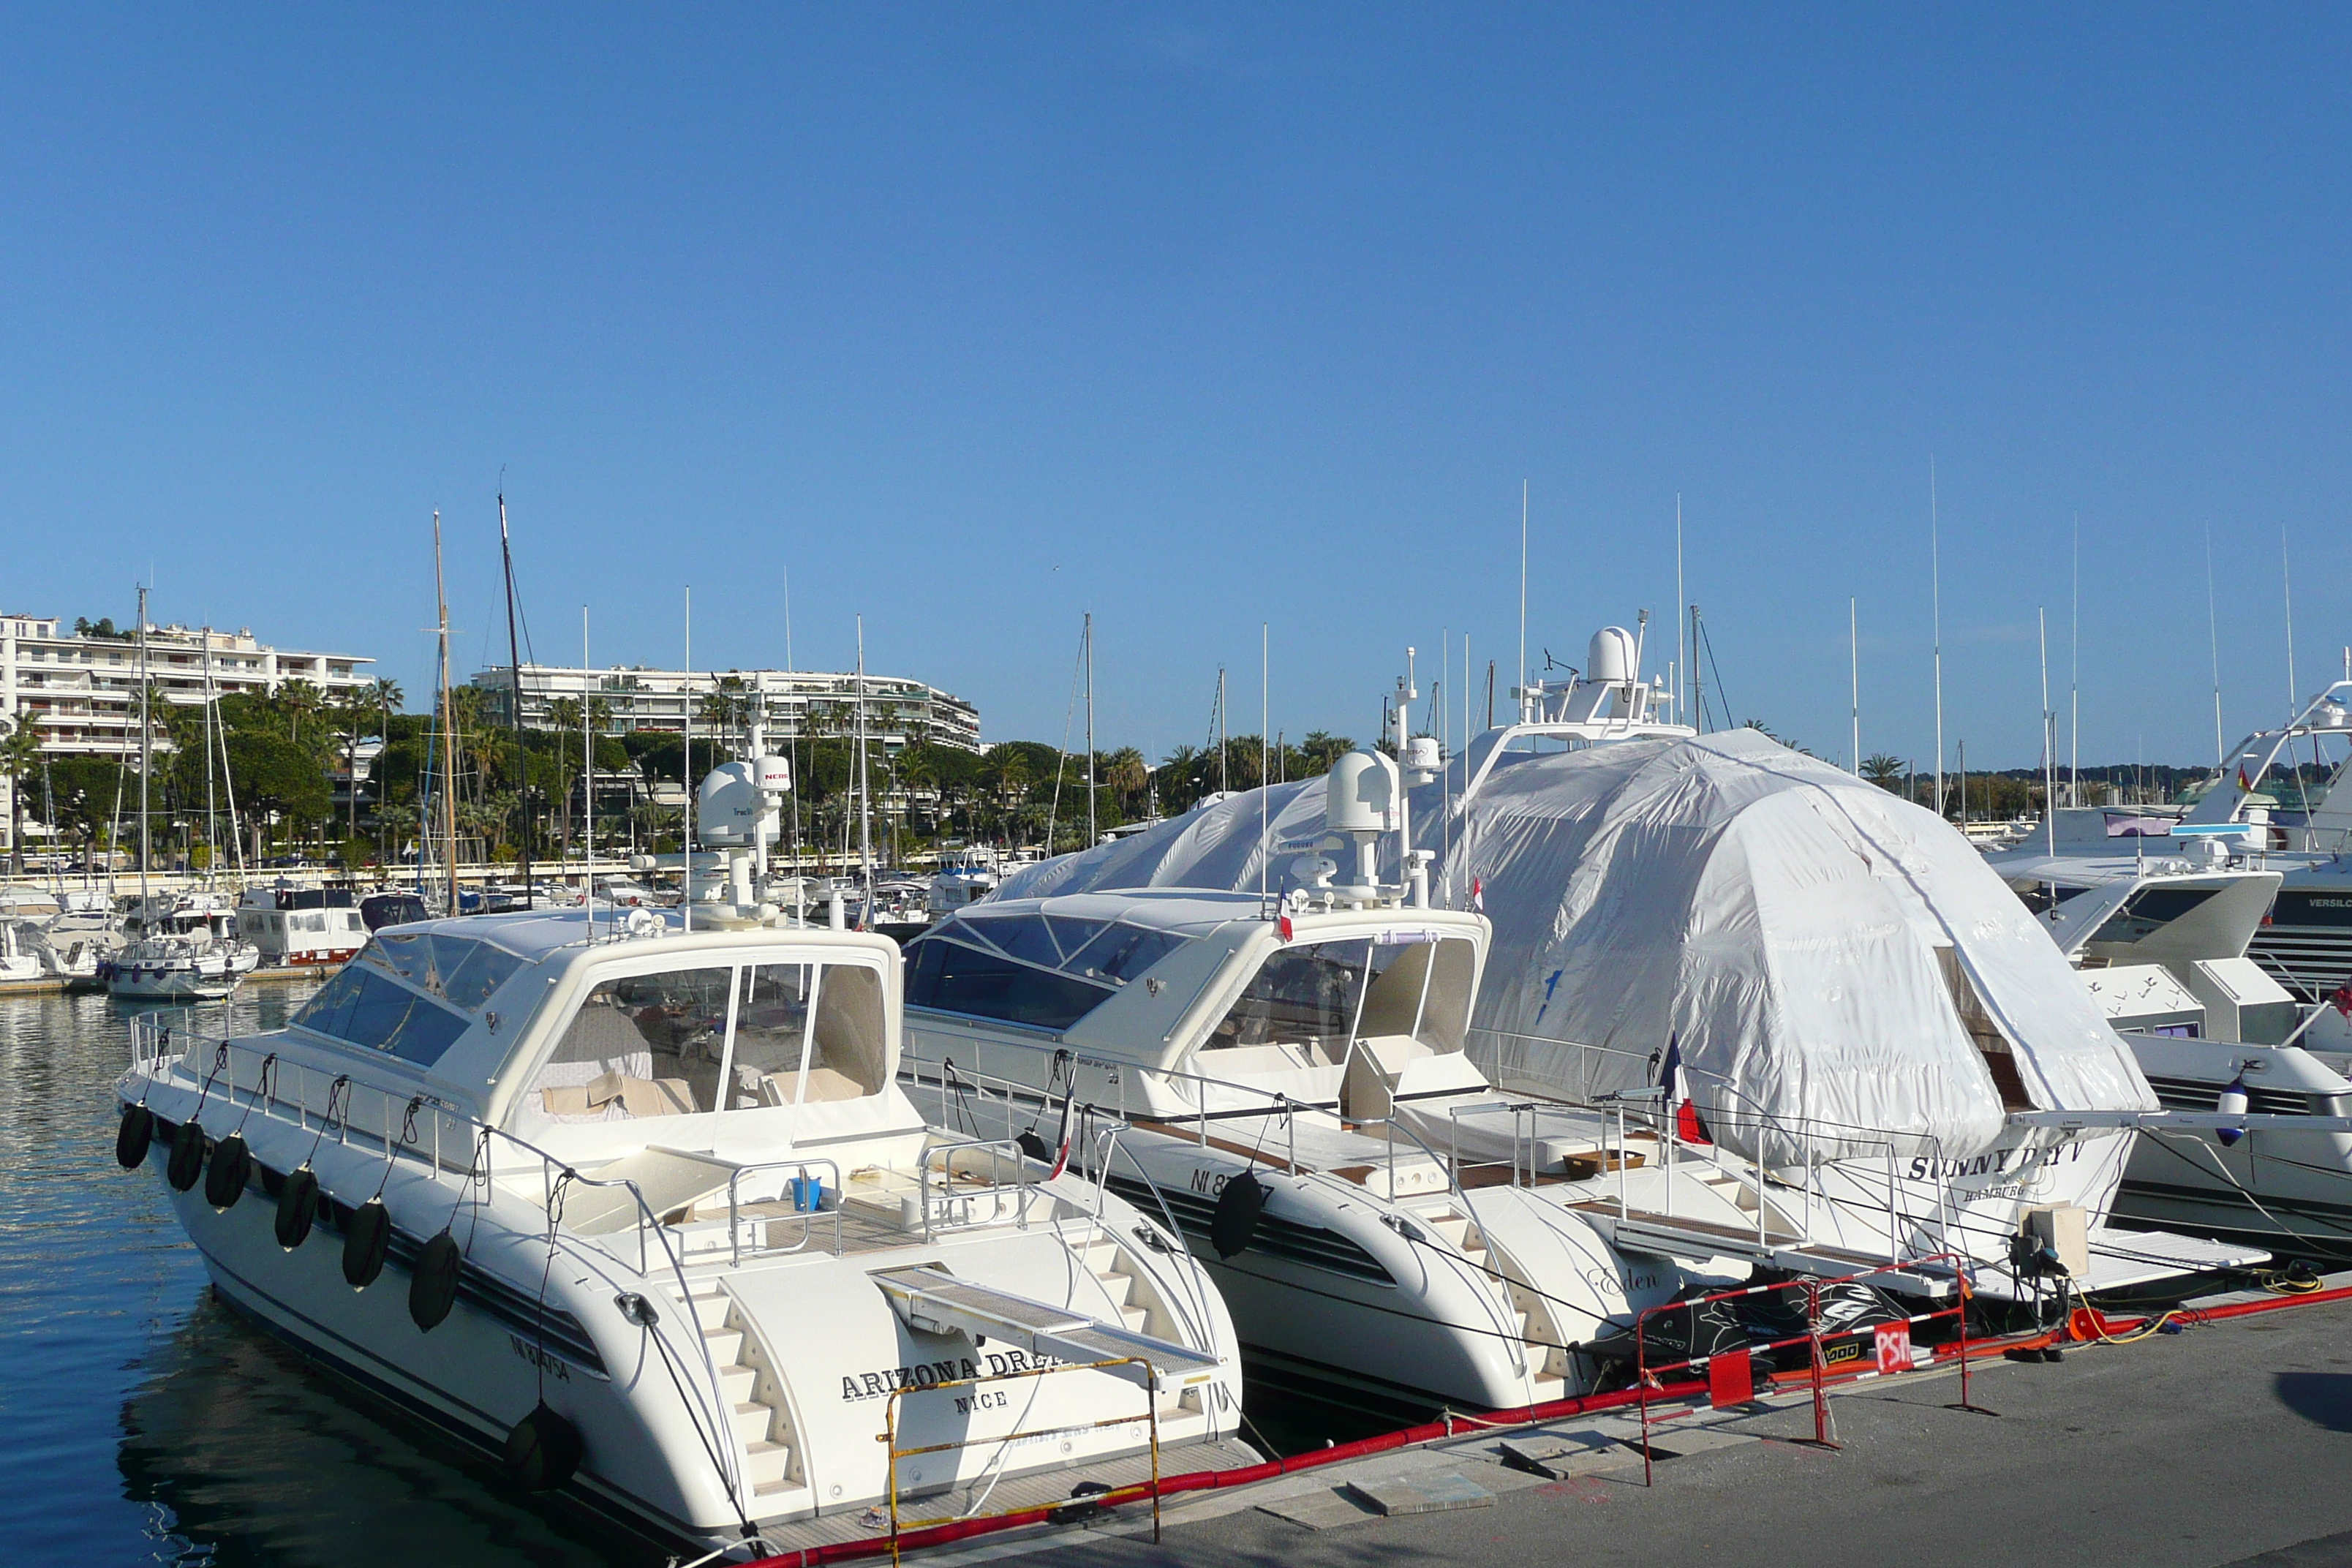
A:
(364, 1008)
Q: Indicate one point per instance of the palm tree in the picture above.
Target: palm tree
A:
(1883, 770)
(386, 695)
(20, 754)
(296, 699)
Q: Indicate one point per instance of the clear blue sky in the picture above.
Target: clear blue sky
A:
(975, 317)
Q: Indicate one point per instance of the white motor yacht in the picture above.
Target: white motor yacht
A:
(1292, 1075)
(2163, 953)
(643, 1208)
(294, 927)
(643, 1211)
(1290, 1091)
(2304, 940)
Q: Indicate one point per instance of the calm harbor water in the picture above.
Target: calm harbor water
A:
(145, 1421)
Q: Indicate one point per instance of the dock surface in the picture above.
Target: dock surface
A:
(2223, 1445)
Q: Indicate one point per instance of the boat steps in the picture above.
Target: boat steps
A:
(1546, 1365)
(756, 1408)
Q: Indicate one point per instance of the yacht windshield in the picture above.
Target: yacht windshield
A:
(367, 1008)
(462, 970)
(1022, 967)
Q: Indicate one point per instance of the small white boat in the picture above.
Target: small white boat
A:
(22, 953)
(169, 968)
(646, 1213)
(953, 886)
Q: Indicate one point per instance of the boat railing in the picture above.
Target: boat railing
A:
(950, 1207)
(1807, 1146)
(960, 1086)
(808, 1206)
(429, 1134)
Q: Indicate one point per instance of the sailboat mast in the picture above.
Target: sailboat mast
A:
(448, 741)
(864, 785)
(514, 663)
(212, 828)
(146, 749)
(1936, 594)
(1854, 655)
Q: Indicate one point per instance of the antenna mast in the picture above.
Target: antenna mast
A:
(2286, 582)
(587, 780)
(1094, 832)
(865, 788)
(2074, 680)
(1682, 621)
(1522, 692)
(212, 828)
(1854, 646)
(2049, 750)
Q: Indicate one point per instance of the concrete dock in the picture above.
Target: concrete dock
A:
(2228, 1443)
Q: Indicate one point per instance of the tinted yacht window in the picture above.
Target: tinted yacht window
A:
(950, 977)
(364, 1008)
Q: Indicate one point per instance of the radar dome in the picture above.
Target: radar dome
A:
(1611, 656)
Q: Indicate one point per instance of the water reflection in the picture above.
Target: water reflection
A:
(270, 1460)
(147, 1421)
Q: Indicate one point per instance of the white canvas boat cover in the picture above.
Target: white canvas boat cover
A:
(1819, 949)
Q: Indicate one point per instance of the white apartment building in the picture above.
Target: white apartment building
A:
(795, 703)
(82, 690)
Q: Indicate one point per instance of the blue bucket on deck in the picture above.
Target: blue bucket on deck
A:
(808, 1195)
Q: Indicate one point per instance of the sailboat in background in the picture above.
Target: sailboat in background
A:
(187, 950)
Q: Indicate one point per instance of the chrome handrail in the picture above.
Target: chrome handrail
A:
(808, 1217)
(998, 1149)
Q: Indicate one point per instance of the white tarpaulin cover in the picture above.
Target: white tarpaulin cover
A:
(1809, 939)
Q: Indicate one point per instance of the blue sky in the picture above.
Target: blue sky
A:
(974, 318)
